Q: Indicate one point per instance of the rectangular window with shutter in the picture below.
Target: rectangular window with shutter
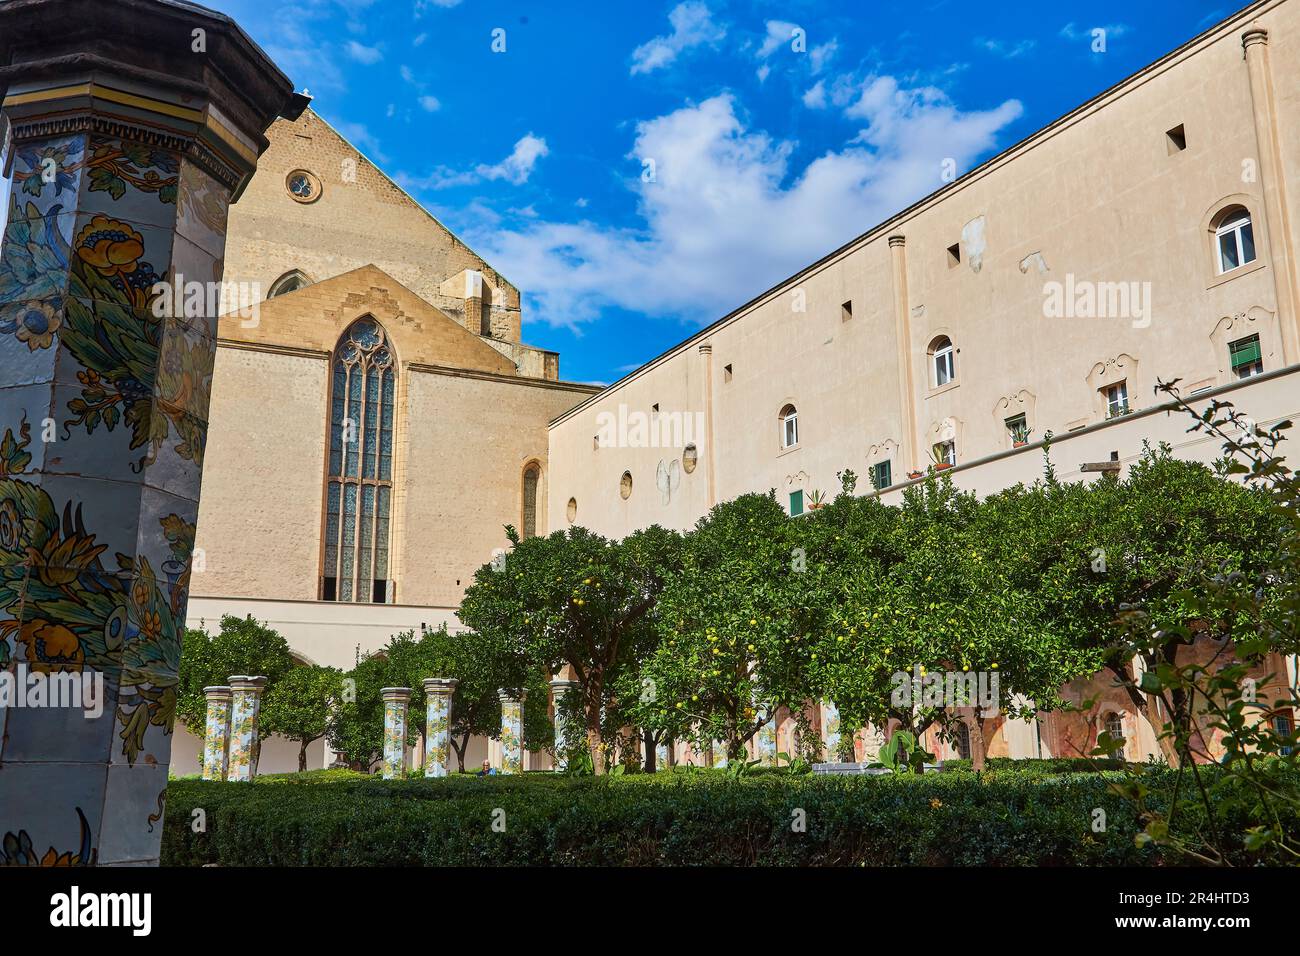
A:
(796, 502)
(1247, 358)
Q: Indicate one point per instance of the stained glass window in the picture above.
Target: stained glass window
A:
(358, 492)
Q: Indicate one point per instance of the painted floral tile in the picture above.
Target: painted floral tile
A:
(25, 423)
(29, 337)
(130, 182)
(93, 513)
(184, 381)
(35, 256)
(70, 616)
(118, 261)
(137, 795)
(47, 175)
(52, 813)
(201, 210)
(174, 463)
(166, 541)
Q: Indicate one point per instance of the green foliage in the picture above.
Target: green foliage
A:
(241, 646)
(732, 622)
(1238, 588)
(678, 819)
(576, 599)
(300, 705)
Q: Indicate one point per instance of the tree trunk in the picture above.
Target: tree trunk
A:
(302, 756)
(459, 749)
(593, 736)
(648, 745)
(978, 744)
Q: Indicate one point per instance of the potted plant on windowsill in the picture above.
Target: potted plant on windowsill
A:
(1020, 435)
(816, 499)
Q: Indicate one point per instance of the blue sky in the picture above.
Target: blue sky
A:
(770, 147)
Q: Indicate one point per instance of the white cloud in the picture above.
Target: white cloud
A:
(360, 136)
(779, 33)
(581, 202)
(815, 97)
(518, 166)
(727, 216)
(762, 72)
(692, 25)
(1005, 49)
(364, 54)
(514, 169)
(423, 5)
(821, 55)
(429, 104)
(407, 75)
(419, 39)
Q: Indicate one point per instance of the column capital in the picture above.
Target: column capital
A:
(1254, 36)
(173, 75)
(395, 693)
(246, 683)
(506, 695)
(897, 242)
(217, 693)
(560, 684)
(706, 348)
(439, 685)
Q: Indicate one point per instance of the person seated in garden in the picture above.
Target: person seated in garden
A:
(488, 770)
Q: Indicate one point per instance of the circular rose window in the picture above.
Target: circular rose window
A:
(302, 186)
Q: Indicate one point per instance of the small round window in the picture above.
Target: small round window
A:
(690, 458)
(625, 485)
(302, 186)
(571, 512)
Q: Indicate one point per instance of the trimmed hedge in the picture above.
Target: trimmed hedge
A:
(337, 818)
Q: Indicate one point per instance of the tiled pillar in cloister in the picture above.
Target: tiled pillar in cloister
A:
(830, 731)
(396, 702)
(216, 733)
(133, 125)
(245, 707)
(512, 732)
(560, 687)
(438, 693)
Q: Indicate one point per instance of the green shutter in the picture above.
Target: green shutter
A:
(1245, 351)
(796, 502)
(882, 476)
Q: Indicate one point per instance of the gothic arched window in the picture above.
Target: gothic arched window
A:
(531, 476)
(359, 482)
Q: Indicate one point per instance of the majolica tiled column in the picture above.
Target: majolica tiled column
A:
(133, 125)
(216, 733)
(245, 706)
(560, 687)
(396, 702)
(438, 692)
(830, 731)
(512, 733)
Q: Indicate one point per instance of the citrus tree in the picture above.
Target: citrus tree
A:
(578, 599)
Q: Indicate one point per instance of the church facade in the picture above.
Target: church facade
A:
(1148, 235)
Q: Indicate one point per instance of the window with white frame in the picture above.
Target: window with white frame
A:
(945, 453)
(1234, 240)
(1117, 399)
(943, 360)
(789, 427)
